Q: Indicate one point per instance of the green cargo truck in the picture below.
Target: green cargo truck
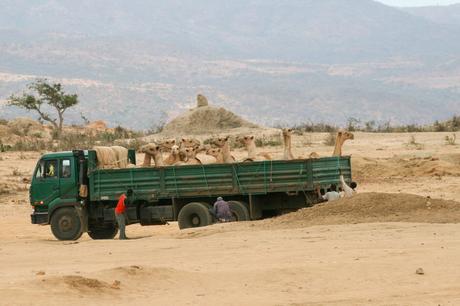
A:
(174, 193)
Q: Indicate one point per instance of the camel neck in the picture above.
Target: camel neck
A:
(147, 160)
(287, 147)
(251, 147)
(158, 160)
(338, 147)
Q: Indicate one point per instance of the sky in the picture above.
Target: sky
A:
(418, 2)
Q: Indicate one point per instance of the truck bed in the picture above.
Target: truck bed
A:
(248, 178)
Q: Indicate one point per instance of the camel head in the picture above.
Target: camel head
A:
(214, 152)
(345, 135)
(247, 140)
(168, 143)
(175, 150)
(190, 152)
(287, 132)
(151, 149)
(189, 142)
(221, 141)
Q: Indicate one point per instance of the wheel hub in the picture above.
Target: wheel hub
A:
(65, 224)
(195, 220)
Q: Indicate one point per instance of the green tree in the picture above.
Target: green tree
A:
(40, 95)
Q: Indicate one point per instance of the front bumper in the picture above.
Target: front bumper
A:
(39, 217)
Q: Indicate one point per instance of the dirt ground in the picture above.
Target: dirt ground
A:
(358, 251)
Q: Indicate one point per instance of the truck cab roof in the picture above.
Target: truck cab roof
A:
(62, 154)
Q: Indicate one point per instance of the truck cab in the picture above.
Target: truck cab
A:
(55, 185)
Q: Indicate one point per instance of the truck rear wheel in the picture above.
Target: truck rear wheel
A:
(66, 224)
(194, 215)
(107, 231)
(239, 211)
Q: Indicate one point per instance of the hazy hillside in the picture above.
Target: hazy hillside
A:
(449, 15)
(132, 62)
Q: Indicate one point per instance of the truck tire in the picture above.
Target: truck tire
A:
(103, 231)
(66, 224)
(239, 211)
(194, 215)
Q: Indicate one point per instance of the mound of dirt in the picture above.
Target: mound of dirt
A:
(373, 207)
(205, 119)
(370, 169)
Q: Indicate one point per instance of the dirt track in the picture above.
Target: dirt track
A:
(313, 257)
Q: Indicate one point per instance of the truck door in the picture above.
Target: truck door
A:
(45, 185)
(67, 178)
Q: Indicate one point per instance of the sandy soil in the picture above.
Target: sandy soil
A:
(356, 252)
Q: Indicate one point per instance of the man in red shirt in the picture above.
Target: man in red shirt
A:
(120, 214)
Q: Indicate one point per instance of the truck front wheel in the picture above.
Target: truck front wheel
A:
(194, 215)
(107, 231)
(66, 224)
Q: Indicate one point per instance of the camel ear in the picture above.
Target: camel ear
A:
(252, 137)
(183, 139)
(173, 141)
(339, 133)
(226, 138)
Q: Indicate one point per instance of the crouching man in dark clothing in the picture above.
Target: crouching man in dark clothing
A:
(222, 210)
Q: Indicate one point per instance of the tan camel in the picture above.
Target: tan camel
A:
(224, 144)
(217, 154)
(168, 143)
(342, 136)
(189, 142)
(287, 135)
(191, 157)
(250, 144)
(173, 156)
(154, 151)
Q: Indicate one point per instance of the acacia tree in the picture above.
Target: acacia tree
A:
(40, 95)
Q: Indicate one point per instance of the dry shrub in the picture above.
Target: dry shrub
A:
(272, 141)
(451, 140)
(412, 143)
(16, 172)
(329, 140)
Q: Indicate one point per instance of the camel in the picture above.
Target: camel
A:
(153, 150)
(287, 135)
(342, 136)
(189, 142)
(287, 155)
(173, 157)
(223, 143)
(168, 143)
(191, 157)
(249, 142)
(217, 154)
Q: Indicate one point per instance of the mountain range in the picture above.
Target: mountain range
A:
(271, 61)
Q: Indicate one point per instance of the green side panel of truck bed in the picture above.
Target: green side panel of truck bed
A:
(261, 177)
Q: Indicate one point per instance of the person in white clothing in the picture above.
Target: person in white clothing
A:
(347, 190)
(331, 195)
